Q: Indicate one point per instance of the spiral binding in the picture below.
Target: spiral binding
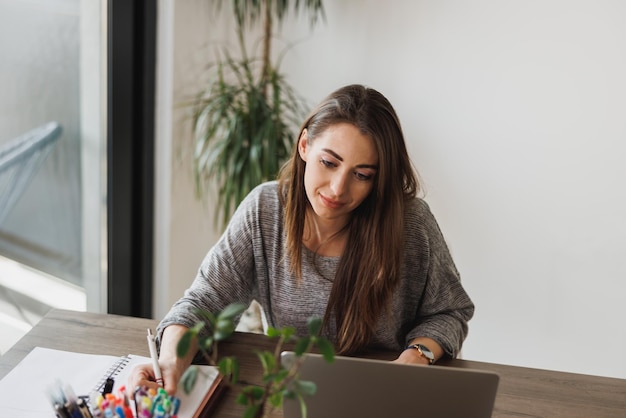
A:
(111, 372)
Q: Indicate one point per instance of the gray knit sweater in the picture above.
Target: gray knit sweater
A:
(248, 262)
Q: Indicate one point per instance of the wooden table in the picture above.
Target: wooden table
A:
(522, 391)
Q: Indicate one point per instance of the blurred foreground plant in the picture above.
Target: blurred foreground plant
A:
(279, 382)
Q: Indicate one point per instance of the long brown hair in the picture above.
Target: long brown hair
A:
(370, 266)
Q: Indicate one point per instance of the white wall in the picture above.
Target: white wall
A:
(183, 224)
(514, 116)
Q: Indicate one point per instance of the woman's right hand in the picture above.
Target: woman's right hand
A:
(172, 367)
(143, 375)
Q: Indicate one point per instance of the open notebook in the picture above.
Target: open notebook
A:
(24, 392)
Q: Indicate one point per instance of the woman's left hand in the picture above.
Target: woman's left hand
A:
(411, 356)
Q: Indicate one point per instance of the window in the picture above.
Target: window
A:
(80, 234)
(51, 235)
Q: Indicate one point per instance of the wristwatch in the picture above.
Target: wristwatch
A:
(424, 352)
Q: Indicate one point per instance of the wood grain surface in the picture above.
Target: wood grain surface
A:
(522, 392)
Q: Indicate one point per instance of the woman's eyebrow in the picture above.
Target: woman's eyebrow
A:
(337, 156)
(333, 153)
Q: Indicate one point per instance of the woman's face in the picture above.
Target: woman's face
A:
(341, 164)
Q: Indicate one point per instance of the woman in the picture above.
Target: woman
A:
(341, 235)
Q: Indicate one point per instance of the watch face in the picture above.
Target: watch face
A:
(426, 352)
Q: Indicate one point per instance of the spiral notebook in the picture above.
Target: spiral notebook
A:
(24, 392)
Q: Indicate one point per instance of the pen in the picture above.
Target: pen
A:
(83, 408)
(155, 358)
(108, 386)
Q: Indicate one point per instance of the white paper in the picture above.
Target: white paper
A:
(24, 392)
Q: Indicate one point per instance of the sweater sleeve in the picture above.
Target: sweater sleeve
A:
(226, 274)
(444, 308)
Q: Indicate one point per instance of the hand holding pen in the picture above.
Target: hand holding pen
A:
(170, 366)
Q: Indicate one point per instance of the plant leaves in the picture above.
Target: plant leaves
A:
(267, 361)
(305, 387)
(195, 330)
(302, 346)
(326, 348)
(253, 392)
(314, 324)
(206, 344)
(289, 394)
(273, 332)
(276, 399)
(244, 129)
(251, 411)
(223, 334)
(231, 311)
(229, 366)
(205, 317)
(288, 332)
(303, 409)
(226, 326)
(241, 399)
(189, 379)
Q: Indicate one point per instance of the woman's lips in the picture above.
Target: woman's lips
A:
(330, 203)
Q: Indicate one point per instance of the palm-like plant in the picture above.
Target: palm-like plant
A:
(245, 119)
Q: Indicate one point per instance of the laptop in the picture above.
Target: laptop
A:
(365, 388)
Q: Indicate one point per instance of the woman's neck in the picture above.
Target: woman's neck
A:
(326, 238)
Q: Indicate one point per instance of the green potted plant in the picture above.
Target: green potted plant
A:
(245, 119)
(279, 382)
